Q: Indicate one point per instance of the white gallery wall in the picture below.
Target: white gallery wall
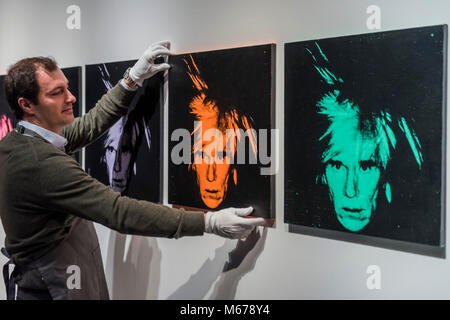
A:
(279, 265)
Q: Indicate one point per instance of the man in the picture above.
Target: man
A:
(47, 202)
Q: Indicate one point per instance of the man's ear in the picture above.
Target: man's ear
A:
(26, 105)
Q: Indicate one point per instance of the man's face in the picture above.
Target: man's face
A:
(352, 177)
(54, 108)
(117, 158)
(213, 169)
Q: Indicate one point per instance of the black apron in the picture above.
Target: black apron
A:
(51, 275)
(80, 251)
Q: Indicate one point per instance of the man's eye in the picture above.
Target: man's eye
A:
(110, 149)
(335, 164)
(366, 165)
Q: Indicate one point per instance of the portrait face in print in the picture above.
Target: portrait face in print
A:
(127, 157)
(218, 133)
(352, 175)
(222, 110)
(211, 164)
(358, 120)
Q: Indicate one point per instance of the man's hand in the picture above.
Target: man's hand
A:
(230, 222)
(145, 67)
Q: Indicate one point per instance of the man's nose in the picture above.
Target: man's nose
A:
(117, 163)
(211, 172)
(70, 97)
(351, 184)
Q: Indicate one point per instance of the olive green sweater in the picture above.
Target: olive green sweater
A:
(43, 188)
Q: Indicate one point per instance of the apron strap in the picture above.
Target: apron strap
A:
(10, 280)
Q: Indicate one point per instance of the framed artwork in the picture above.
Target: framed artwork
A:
(365, 138)
(221, 116)
(73, 74)
(128, 156)
(7, 119)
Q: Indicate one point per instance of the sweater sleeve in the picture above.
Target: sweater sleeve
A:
(108, 110)
(67, 188)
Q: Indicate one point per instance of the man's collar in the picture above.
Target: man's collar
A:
(55, 139)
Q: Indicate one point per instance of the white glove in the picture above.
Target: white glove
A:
(145, 67)
(229, 222)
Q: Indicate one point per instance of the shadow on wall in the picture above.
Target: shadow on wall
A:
(133, 261)
(140, 258)
(229, 271)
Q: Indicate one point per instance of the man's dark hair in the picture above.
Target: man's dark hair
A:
(21, 81)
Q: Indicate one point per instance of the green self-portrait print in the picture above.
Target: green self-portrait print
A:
(364, 134)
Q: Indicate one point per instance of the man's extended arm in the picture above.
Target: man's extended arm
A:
(67, 188)
(114, 104)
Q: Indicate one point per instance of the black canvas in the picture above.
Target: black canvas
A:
(237, 87)
(393, 85)
(140, 177)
